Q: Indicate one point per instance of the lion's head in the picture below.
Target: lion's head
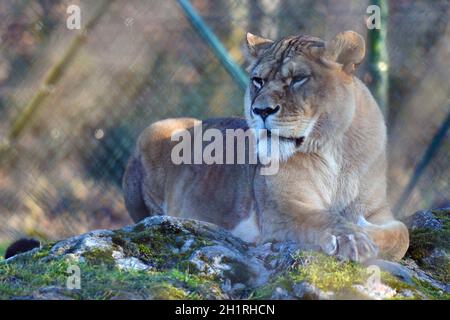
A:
(301, 87)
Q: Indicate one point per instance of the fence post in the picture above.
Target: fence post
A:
(211, 39)
(378, 58)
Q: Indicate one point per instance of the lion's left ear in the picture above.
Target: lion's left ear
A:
(255, 45)
(348, 49)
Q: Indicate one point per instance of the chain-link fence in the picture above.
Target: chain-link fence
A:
(73, 104)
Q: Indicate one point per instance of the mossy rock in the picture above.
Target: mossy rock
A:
(150, 260)
(168, 258)
(430, 242)
(317, 276)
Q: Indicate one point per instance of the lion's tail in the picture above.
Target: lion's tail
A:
(132, 190)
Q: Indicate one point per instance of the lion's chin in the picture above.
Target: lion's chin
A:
(297, 141)
(280, 150)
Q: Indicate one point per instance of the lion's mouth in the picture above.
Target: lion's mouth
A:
(297, 141)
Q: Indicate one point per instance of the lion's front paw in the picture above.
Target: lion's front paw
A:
(349, 245)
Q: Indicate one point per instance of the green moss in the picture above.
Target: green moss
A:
(159, 247)
(3, 247)
(430, 291)
(331, 275)
(266, 291)
(196, 287)
(145, 251)
(443, 215)
(327, 273)
(25, 276)
(324, 272)
(44, 251)
(166, 291)
(99, 256)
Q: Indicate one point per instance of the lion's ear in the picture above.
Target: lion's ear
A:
(348, 49)
(255, 45)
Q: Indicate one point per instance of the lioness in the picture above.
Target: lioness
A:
(330, 191)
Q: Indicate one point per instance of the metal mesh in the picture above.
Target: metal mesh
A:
(143, 61)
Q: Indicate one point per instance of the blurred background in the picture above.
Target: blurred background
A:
(73, 102)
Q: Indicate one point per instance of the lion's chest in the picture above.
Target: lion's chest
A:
(341, 180)
(325, 180)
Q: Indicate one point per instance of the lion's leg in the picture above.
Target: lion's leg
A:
(319, 230)
(390, 235)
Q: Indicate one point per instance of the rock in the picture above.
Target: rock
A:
(228, 265)
(128, 296)
(423, 276)
(47, 293)
(306, 291)
(430, 244)
(425, 219)
(170, 258)
(377, 291)
(281, 294)
(393, 268)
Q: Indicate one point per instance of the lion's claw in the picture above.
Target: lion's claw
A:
(350, 245)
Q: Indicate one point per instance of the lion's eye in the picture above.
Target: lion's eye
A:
(257, 82)
(299, 81)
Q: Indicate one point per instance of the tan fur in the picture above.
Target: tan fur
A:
(330, 192)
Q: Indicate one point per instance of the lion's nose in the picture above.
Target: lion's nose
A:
(264, 113)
